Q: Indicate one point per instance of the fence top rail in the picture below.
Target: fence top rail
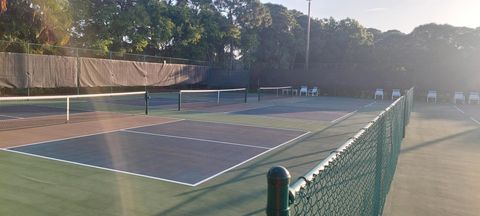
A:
(105, 52)
(303, 181)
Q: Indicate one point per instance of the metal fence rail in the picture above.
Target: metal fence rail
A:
(354, 179)
(46, 49)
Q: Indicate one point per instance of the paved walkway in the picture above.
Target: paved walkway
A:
(438, 171)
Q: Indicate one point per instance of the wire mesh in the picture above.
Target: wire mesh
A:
(270, 93)
(355, 179)
(38, 111)
(199, 99)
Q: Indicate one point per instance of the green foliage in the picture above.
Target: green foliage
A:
(38, 21)
(267, 39)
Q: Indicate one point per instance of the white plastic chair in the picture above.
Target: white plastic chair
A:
(474, 96)
(396, 93)
(459, 96)
(313, 91)
(286, 91)
(303, 89)
(378, 93)
(432, 95)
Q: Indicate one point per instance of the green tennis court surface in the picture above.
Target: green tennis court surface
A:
(41, 186)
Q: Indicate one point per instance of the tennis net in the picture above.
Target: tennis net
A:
(269, 93)
(198, 99)
(354, 179)
(37, 111)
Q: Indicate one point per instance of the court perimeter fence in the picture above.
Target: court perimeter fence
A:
(27, 65)
(354, 179)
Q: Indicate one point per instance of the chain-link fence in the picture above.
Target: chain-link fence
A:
(353, 180)
(26, 66)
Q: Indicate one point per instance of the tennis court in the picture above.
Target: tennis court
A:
(184, 152)
(471, 111)
(205, 157)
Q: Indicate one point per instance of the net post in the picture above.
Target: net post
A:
(258, 94)
(179, 100)
(147, 98)
(246, 94)
(278, 179)
(218, 97)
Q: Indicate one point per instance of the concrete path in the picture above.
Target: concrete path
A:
(438, 172)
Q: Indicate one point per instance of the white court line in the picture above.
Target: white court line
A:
(369, 105)
(146, 176)
(247, 109)
(92, 134)
(460, 110)
(97, 167)
(245, 125)
(344, 116)
(13, 117)
(475, 120)
(256, 156)
(196, 139)
(351, 113)
(471, 118)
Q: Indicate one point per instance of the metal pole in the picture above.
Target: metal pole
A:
(147, 98)
(78, 72)
(278, 192)
(29, 80)
(246, 95)
(179, 100)
(307, 50)
(259, 94)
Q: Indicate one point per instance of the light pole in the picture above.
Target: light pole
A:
(307, 50)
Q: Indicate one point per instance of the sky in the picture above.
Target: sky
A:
(403, 15)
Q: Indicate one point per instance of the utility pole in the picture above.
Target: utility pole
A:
(307, 51)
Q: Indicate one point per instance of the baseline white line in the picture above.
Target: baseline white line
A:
(12, 117)
(369, 105)
(471, 118)
(475, 120)
(98, 167)
(245, 125)
(246, 109)
(460, 110)
(344, 116)
(256, 156)
(196, 139)
(351, 113)
(92, 134)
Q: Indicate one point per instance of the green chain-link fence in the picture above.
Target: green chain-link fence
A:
(353, 180)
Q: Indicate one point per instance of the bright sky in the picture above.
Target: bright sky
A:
(403, 15)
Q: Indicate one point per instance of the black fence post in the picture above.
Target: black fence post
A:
(278, 192)
(179, 100)
(246, 94)
(258, 94)
(147, 98)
